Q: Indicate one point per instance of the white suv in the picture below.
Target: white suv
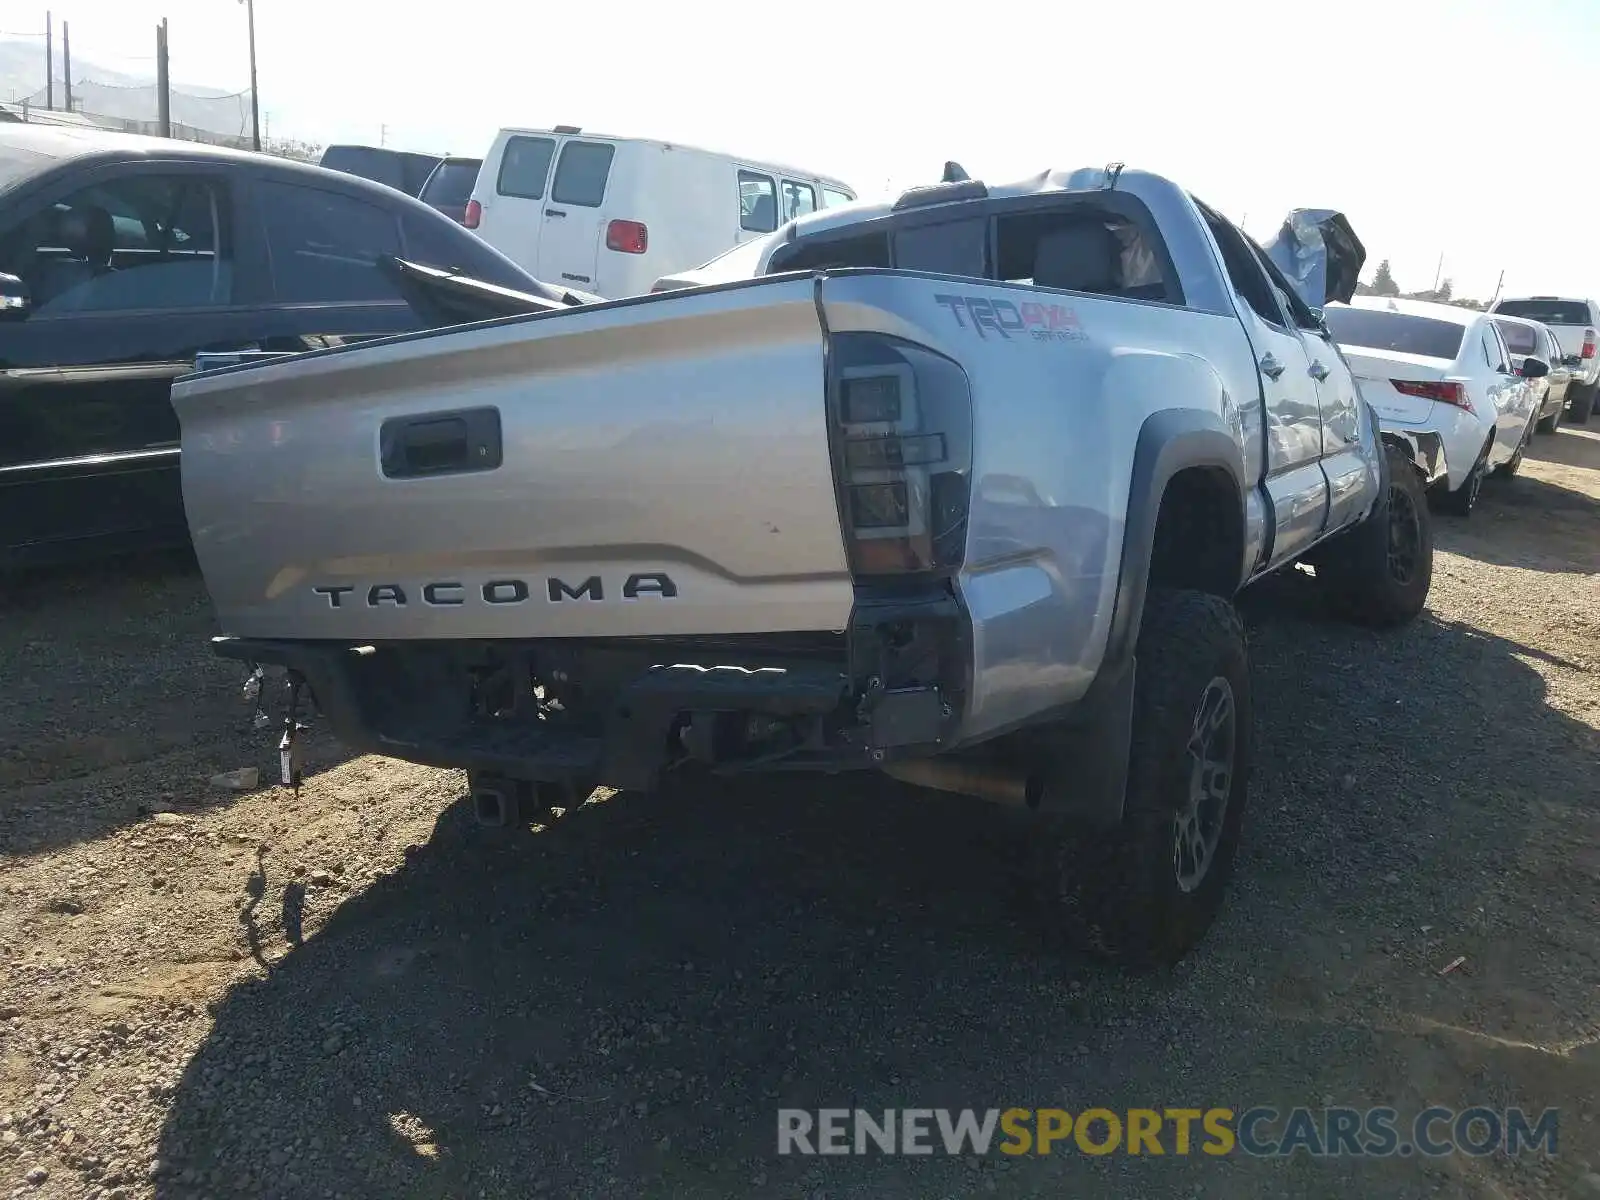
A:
(1576, 324)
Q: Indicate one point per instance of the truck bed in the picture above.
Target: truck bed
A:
(667, 469)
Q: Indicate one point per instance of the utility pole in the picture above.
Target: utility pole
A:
(163, 83)
(49, 61)
(66, 60)
(1499, 283)
(1438, 274)
(255, 93)
(383, 135)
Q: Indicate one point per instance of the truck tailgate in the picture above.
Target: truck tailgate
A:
(654, 467)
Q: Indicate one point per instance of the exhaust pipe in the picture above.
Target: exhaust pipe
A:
(992, 783)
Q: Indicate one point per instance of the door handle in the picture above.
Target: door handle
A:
(1271, 367)
(1318, 372)
(555, 212)
(440, 443)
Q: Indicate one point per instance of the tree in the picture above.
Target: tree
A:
(1445, 290)
(1383, 283)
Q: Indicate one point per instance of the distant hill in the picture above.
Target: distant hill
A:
(104, 92)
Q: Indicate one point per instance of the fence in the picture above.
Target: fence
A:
(34, 114)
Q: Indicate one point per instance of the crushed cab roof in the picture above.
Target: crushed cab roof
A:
(1083, 179)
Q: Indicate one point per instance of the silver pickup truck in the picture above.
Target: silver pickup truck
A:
(959, 488)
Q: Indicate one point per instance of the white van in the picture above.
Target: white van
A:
(611, 215)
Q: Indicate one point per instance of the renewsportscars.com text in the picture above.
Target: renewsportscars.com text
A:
(1259, 1132)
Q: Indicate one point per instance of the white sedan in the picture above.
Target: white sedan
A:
(1443, 377)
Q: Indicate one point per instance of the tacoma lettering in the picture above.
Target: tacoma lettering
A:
(590, 587)
(453, 593)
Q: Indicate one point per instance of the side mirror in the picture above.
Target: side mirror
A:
(1572, 360)
(15, 300)
(1534, 368)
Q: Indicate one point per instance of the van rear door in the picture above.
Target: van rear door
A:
(574, 213)
(511, 193)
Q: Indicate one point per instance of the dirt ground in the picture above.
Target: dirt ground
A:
(355, 993)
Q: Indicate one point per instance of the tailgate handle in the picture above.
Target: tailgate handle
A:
(441, 443)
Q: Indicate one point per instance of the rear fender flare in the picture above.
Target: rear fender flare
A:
(1170, 440)
(1096, 746)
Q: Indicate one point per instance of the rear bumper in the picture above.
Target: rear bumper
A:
(620, 713)
(1426, 447)
(1455, 438)
(420, 704)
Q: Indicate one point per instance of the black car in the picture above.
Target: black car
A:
(402, 170)
(123, 258)
(449, 188)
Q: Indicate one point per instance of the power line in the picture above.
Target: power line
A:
(145, 87)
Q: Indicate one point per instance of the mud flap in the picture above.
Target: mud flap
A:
(1088, 777)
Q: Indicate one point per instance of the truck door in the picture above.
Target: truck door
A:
(1296, 487)
(574, 225)
(1348, 470)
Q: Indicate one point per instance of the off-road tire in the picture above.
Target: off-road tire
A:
(1580, 402)
(1117, 892)
(1379, 572)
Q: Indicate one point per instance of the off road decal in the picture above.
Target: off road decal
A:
(1030, 319)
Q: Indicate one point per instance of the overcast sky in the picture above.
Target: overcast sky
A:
(1403, 113)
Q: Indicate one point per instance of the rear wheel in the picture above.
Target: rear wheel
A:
(1580, 402)
(1381, 570)
(1147, 892)
(1464, 499)
(1513, 464)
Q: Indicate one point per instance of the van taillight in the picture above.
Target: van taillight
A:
(902, 423)
(627, 237)
(1588, 343)
(473, 215)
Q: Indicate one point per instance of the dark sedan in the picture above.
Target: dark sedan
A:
(123, 258)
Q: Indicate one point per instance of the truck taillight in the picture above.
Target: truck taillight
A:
(901, 418)
(1444, 393)
(1588, 344)
(627, 237)
(473, 215)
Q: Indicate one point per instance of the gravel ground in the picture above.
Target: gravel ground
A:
(352, 992)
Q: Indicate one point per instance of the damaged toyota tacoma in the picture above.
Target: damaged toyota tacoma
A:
(958, 488)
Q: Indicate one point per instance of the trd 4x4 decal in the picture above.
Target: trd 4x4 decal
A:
(1030, 319)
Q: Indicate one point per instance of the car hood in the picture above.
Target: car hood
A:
(442, 298)
(1319, 254)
